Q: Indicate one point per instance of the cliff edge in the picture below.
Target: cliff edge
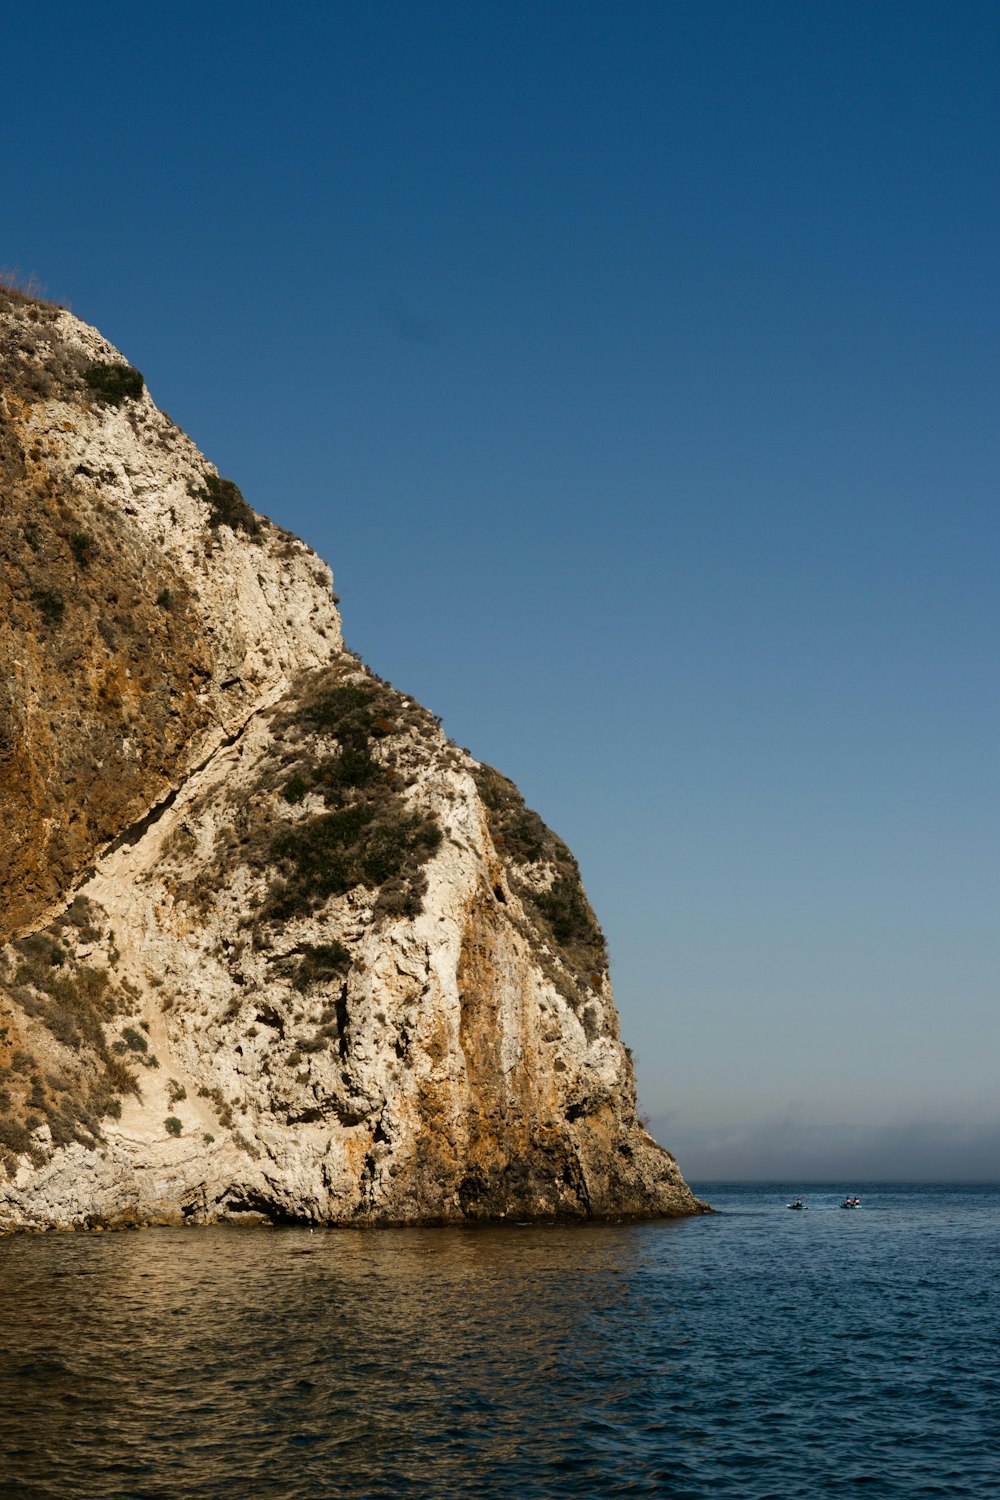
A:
(271, 947)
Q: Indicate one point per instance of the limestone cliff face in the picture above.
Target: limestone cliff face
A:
(271, 947)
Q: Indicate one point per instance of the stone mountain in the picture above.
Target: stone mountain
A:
(271, 947)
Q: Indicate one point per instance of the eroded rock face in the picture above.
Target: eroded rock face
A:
(273, 947)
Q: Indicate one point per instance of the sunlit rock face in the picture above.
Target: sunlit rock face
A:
(271, 947)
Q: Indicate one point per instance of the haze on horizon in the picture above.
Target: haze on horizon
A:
(636, 369)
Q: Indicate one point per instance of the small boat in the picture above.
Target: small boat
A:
(796, 1203)
(850, 1202)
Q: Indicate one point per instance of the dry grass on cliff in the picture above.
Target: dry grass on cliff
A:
(37, 360)
(92, 667)
(57, 1065)
(24, 288)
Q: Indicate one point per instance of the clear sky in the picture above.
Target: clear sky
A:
(635, 366)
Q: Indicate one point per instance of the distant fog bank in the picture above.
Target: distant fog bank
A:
(785, 1149)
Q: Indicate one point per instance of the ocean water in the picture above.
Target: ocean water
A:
(752, 1353)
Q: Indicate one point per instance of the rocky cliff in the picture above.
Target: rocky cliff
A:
(271, 947)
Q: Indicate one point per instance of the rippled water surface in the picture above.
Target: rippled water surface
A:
(754, 1353)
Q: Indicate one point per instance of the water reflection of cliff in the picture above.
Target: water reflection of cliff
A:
(253, 1363)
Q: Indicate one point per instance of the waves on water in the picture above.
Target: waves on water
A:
(751, 1354)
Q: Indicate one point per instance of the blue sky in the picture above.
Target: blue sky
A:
(635, 368)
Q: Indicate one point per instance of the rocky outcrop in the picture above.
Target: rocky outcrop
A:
(272, 946)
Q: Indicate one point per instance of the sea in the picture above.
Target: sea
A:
(752, 1353)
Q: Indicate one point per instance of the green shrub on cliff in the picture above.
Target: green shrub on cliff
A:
(227, 506)
(82, 547)
(50, 605)
(561, 908)
(113, 383)
(365, 843)
(568, 913)
(369, 835)
(317, 963)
